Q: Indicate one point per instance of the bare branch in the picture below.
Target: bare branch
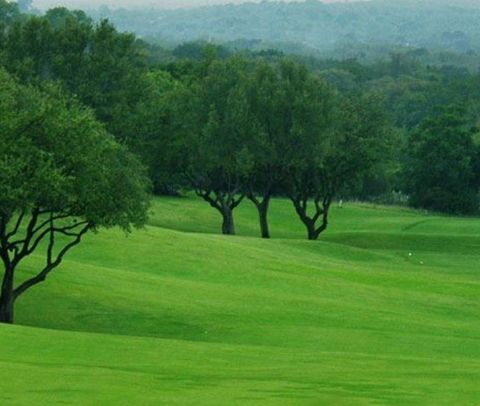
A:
(17, 225)
(235, 203)
(32, 233)
(21, 253)
(51, 265)
(29, 249)
(51, 242)
(59, 216)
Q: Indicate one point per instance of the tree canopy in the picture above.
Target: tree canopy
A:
(442, 170)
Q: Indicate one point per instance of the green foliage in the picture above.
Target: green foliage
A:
(55, 156)
(61, 175)
(156, 137)
(442, 170)
(59, 17)
(237, 128)
(9, 12)
(215, 123)
(102, 67)
(198, 50)
(333, 144)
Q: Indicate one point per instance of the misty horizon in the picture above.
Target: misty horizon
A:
(166, 4)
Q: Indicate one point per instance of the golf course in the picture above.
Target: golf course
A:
(382, 310)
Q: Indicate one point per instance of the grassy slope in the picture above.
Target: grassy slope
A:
(196, 318)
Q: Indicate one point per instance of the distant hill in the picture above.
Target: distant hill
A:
(313, 25)
(160, 4)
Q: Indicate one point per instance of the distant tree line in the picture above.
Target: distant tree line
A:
(311, 26)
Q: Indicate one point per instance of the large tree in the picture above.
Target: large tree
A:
(335, 142)
(272, 110)
(306, 142)
(215, 122)
(61, 176)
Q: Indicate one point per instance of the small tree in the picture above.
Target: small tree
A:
(61, 176)
(441, 169)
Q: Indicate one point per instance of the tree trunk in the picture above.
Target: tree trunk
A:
(313, 233)
(6, 299)
(263, 215)
(228, 226)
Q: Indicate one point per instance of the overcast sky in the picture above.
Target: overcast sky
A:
(141, 3)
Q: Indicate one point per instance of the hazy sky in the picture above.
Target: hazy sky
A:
(141, 3)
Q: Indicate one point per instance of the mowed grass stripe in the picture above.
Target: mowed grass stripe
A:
(92, 369)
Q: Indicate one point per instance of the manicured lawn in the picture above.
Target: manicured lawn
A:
(177, 314)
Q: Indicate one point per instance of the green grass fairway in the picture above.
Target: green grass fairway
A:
(178, 315)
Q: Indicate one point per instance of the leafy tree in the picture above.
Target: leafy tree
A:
(196, 50)
(103, 68)
(9, 12)
(271, 99)
(335, 143)
(28, 49)
(61, 176)
(112, 78)
(58, 17)
(215, 122)
(267, 104)
(441, 168)
(307, 139)
(153, 126)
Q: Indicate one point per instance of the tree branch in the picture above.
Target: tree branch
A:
(21, 253)
(52, 217)
(51, 264)
(318, 210)
(17, 225)
(51, 242)
(208, 198)
(235, 203)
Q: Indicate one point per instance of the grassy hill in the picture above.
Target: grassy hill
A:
(177, 314)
